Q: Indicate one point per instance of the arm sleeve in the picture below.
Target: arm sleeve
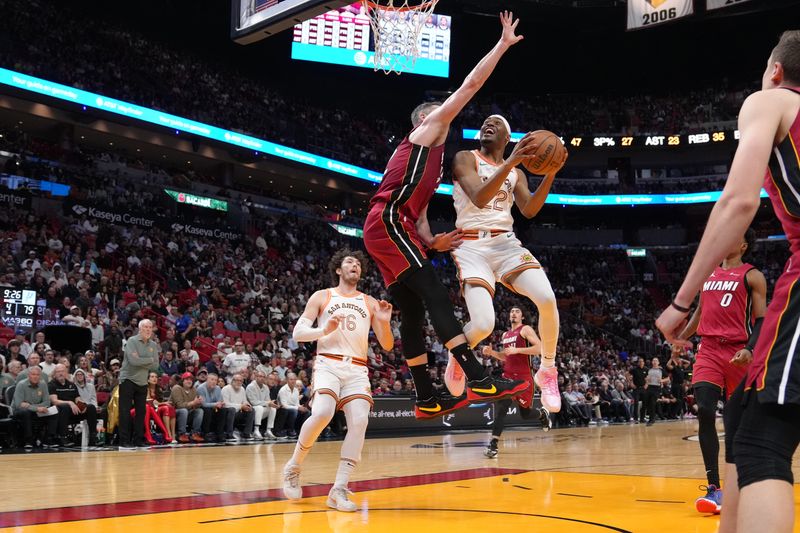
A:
(304, 332)
(751, 342)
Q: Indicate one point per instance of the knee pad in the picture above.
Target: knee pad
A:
(706, 415)
(482, 323)
(357, 421)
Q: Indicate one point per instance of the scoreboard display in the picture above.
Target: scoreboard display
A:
(19, 308)
(632, 141)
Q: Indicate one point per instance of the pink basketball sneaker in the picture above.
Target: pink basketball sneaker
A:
(547, 380)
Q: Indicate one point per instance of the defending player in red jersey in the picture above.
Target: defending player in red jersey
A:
(520, 344)
(732, 300)
(762, 418)
(397, 234)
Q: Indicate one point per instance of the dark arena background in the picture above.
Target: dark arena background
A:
(197, 164)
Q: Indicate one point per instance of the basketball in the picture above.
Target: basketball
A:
(550, 155)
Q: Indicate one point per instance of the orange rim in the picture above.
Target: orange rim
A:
(423, 5)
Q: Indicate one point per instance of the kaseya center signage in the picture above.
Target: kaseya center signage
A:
(199, 201)
(150, 220)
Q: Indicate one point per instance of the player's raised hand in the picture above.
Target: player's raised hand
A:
(509, 37)
(524, 149)
(444, 242)
(742, 358)
(332, 323)
(384, 311)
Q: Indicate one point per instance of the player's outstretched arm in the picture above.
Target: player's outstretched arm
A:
(441, 242)
(759, 121)
(304, 331)
(479, 192)
(530, 204)
(433, 130)
(381, 322)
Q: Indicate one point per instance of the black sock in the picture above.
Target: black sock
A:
(469, 364)
(422, 382)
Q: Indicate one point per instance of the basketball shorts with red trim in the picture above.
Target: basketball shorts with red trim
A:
(343, 380)
(487, 260)
(392, 242)
(713, 364)
(525, 399)
(775, 372)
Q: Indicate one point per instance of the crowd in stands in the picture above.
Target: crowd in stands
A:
(51, 41)
(225, 310)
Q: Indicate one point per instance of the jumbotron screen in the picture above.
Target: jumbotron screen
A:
(344, 37)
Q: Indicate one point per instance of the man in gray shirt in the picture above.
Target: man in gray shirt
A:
(32, 400)
(214, 412)
(141, 355)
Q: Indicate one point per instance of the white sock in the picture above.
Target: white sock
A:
(346, 467)
(548, 361)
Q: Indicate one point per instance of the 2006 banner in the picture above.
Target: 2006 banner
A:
(646, 13)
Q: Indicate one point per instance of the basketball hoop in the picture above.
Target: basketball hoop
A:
(396, 26)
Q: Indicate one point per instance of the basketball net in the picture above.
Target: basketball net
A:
(396, 27)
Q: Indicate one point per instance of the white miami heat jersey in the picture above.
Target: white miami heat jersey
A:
(351, 338)
(494, 215)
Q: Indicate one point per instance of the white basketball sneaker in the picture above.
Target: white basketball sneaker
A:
(454, 376)
(291, 482)
(547, 380)
(337, 499)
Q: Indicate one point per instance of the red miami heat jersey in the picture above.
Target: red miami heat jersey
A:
(782, 182)
(411, 177)
(518, 363)
(779, 381)
(726, 302)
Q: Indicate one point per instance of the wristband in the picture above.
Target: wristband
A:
(679, 307)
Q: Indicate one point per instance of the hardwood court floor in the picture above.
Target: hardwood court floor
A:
(612, 478)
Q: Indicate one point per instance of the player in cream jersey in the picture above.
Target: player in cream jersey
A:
(486, 186)
(340, 379)
(350, 339)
